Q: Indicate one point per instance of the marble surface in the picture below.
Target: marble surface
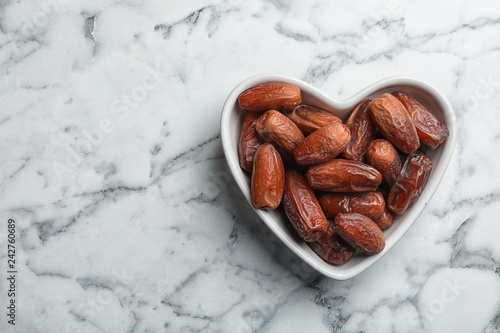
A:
(127, 219)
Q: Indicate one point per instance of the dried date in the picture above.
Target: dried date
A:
(322, 145)
(249, 141)
(385, 220)
(268, 177)
(360, 232)
(309, 118)
(363, 131)
(275, 128)
(332, 248)
(270, 96)
(410, 183)
(431, 131)
(302, 207)
(383, 156)
(371, 204)
(394, 122)
(340, 175)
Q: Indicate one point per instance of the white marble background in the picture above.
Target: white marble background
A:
(127, 220)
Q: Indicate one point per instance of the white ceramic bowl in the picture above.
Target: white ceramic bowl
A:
(231, 122)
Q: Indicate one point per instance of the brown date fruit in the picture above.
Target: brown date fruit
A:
(332, 248)
(340, 175)
(249, 141)
(322, 145)
(276, 128)
(370, 204)
(431, 131)
(268, 177)
(394, 122)
(310, 118)
(270, 96)
(410, 182)
(302, 207)
(385, 221)
(384, 157)
(360, 232)
(363, 131)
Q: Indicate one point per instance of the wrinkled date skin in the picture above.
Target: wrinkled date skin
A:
(270, 96)
(385, 221)
(394, 123)
(360, 232)
(343, 176)
(431, 131)
(276, 128)
(302, 207)
(310, 118)
(371, 204)
(332, 248)
(249, 141)
(384, 157)
(409, 183)
(323, 145)
(363, 131)
(268, 177)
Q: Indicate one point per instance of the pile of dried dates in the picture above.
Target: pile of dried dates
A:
(339, 184)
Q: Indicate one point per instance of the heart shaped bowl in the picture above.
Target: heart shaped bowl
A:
(232, 120)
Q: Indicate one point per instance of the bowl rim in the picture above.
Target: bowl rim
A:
(343, 107)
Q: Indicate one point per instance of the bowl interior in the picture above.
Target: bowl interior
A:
(232, 120)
